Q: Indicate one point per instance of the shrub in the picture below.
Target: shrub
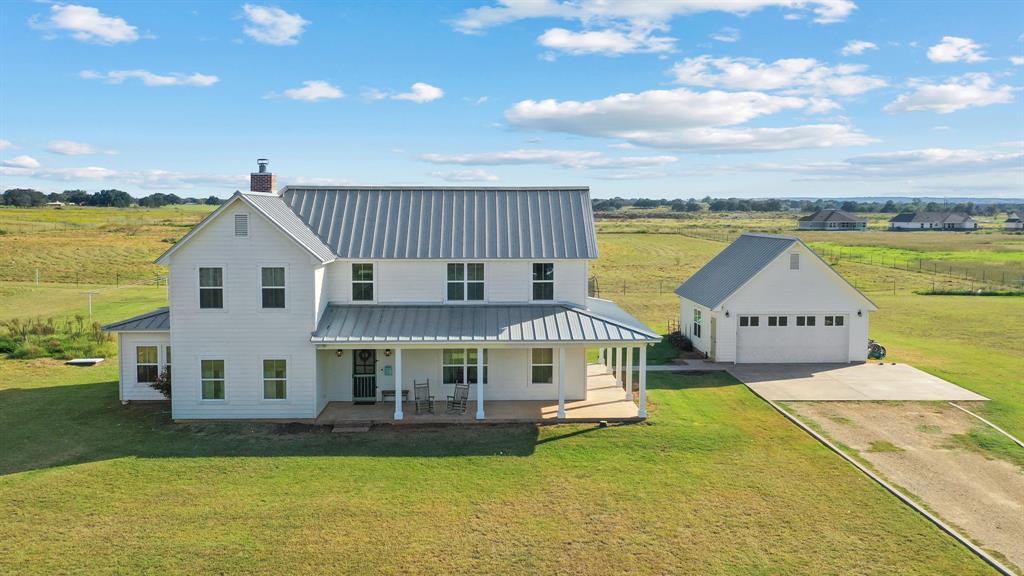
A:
(679, 341)
(163, 383)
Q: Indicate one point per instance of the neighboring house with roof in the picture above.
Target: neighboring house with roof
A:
(830, 219)
(769, 298)
(1013, 223)
(281, 303)
(910, 221)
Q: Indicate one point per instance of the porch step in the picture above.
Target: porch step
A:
(350, 429)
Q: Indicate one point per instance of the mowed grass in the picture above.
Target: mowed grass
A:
(715, 483)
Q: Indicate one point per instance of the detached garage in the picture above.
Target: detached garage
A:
(771, 299)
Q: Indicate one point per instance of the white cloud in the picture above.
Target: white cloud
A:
(727, 34)
(471, 175)
(1017, 60)
(609, 42)
(6, 144)
(87, 24)
(792, 75)
(967, 91)
(636, 14)
(150, 79)
(683, 119)
(72, 148)
(270, 25)
(420, 92)
(956, 49)
(563, 158)
(313, 91)
(904, 163)
(858, 47)
(22, 162)
(149, 179)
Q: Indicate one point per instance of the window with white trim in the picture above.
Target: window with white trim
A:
(805, 320)
(211, 287)
(272, 287)
(241, 225)
(167, 360)
(458, 365)
(275, 379)
(212, 379)
(543, 281)
(750, 321)
(697, 318)
(794, 261)
(778, 320)
(542, 365)
(362, 282)
(833, 320)
(146, 370)
(465, 281)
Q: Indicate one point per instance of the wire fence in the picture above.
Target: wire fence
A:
(115, 279)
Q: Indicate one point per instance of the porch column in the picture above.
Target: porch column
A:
(628, 376)
(561, 382)
(643, 382)
(398, 384)
(479, 383)
(615, 357)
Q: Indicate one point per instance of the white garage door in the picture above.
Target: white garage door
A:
(767, 340)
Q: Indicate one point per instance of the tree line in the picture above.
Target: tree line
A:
(776, 205)
(28, 198)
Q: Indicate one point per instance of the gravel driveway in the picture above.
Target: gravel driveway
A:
(913, 445)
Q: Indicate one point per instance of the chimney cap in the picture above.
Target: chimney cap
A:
(262, 163)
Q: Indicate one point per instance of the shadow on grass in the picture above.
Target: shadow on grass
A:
(75, 424)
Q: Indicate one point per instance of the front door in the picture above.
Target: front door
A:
(714, 338)
(364, 376)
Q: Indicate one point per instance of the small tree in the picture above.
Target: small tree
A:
(163, 383)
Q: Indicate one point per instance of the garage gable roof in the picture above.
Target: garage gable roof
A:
(738, 264)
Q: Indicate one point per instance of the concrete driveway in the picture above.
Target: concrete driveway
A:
(871, 381)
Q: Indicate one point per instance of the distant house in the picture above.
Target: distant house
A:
(910, 221)
(55, 204)
(1013, 222)
(832, 220)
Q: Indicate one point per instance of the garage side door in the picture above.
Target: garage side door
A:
(792, 343)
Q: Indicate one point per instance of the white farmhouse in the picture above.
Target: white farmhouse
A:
(1013, 223)
(281, 304)
(915, 221)
(768, 298)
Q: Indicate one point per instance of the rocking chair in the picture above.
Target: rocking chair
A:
(424, 402)
(458, 401)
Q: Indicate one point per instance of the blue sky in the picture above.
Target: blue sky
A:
(670, 99)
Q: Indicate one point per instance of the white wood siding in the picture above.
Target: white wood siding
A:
(130, 388)
(242, 333)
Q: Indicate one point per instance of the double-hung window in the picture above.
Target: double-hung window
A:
(272, 285)
(275, 379)
(362, 282)
(212, 372)
(696, 322)
(465, 282)
(542, 365)
(211, 287)
(146, 370)
(543, 281)
(458, 365)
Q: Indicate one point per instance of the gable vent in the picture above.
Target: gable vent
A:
(241, 224)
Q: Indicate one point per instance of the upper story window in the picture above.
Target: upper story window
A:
(465, 282)
(362, 282)
(794, 261)
(211, 287)
(272, 284)
(543, 281)
(241, 225)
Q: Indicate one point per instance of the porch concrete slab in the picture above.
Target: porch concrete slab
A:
(867, 381)
(605, 401)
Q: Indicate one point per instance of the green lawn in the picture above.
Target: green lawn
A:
(715, 483)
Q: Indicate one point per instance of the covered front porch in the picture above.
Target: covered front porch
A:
(605, 400)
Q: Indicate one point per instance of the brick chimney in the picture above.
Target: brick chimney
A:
(262, 181)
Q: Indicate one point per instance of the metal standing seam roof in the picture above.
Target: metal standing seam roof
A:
(513, 323)
(733, 267)
(277, 211)
(442, 223)
(936, 217)
(158, 320)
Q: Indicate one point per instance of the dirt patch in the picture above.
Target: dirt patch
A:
(911, 444)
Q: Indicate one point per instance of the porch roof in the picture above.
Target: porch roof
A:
(600, 321)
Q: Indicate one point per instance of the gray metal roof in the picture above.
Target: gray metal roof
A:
(513, 323)
(934, 217)
(441, 223)
(733, 267)
(158, 320)
(830, 215)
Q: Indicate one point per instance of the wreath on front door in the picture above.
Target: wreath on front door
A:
(364, 355)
